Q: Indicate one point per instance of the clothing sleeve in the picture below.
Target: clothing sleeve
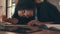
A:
(49, 13)
(55, 15)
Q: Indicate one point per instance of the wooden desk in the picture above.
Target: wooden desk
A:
(4, 32)
(41, 32)
(25, 26)
(46, 32)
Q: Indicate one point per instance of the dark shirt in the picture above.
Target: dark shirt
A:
(46, 12)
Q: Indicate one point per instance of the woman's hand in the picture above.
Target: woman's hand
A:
(10, 20)
(35, 23)
(32, 23)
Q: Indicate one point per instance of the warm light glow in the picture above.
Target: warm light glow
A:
(10, 33)
(59, 3)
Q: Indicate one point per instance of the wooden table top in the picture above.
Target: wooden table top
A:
(5, 32)
(48, 25)
(39, 32)
(46, 32)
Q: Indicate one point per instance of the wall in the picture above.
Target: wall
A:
(2, 8)
(56, 3)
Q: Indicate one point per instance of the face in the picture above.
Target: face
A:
(38, 1)
(25, 13)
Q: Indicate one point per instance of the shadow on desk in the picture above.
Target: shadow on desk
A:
(40, 32)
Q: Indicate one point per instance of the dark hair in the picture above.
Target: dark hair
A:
(23, 4)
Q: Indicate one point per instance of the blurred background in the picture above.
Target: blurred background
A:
(7, 7)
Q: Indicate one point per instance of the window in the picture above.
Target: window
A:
(13, 7)
(10, 8)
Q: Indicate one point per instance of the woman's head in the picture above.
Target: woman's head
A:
(25, 8)
(39, 1)
(25, 13)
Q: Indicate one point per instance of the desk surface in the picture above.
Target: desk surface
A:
(4, 32)
(40, 32)
(46, 32)
(49, 25)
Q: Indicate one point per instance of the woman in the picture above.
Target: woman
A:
(24, 13)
